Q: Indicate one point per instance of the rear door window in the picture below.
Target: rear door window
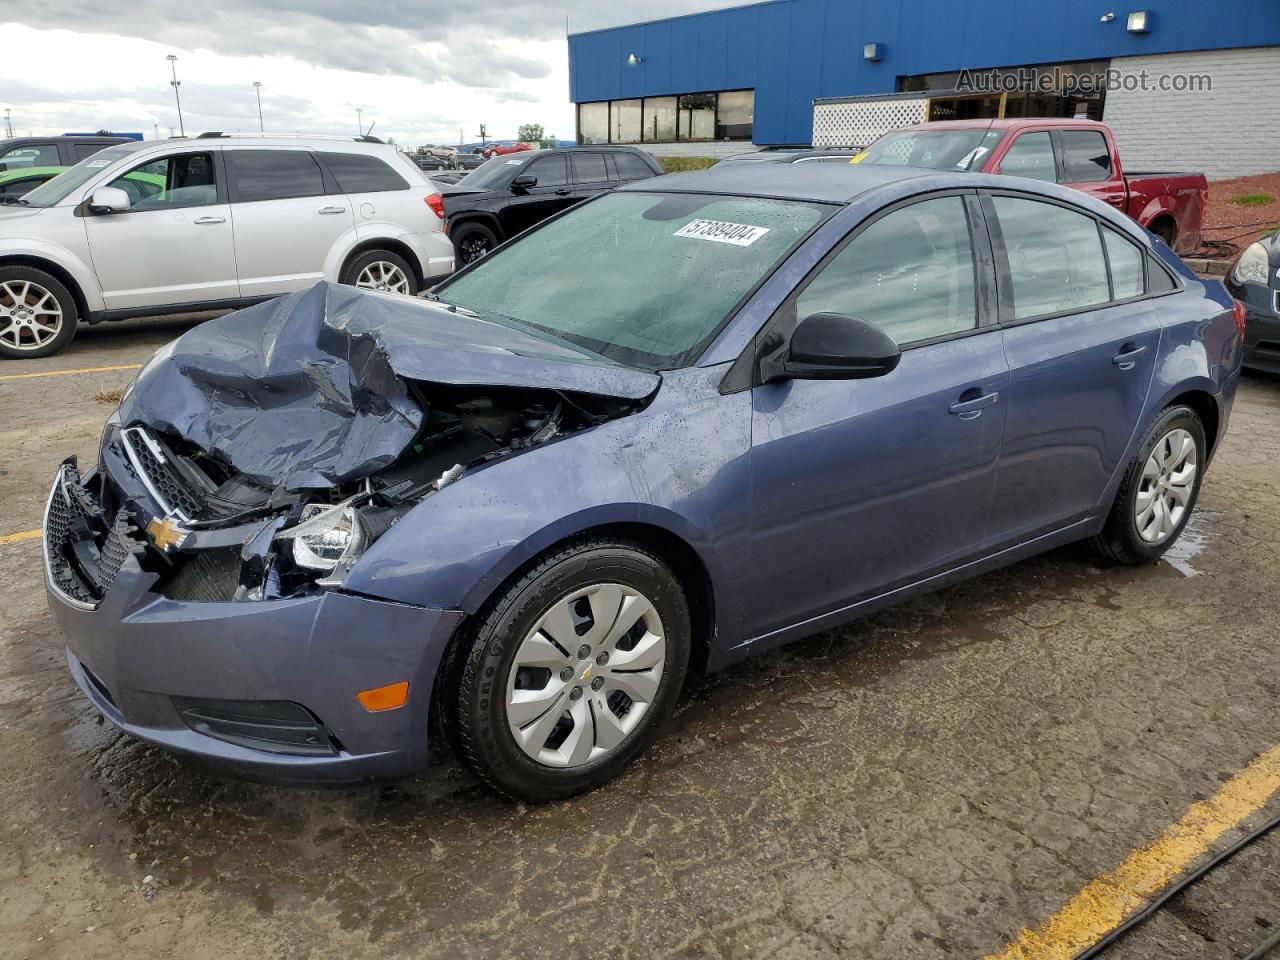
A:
(82, 151)
(362, 173)
(1055, 257)
(273, 175)
(588, 167)
(1031, 156)
(1084, 156)
(1125, 260)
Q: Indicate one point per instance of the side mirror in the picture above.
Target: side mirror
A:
(108, 200)
(524, 181)
(832, 346)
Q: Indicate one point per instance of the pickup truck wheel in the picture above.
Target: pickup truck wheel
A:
(572, 670)
(37, 313)
(383, 271)
(1166, 231)
(471, 241)
(1158, 492)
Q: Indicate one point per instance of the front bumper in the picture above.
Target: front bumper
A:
(134, 652)
(1262, 324)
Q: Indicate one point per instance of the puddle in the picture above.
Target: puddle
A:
(1195, 537)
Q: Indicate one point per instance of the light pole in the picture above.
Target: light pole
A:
(257, 88)
(359, 121)
(8, 123)
(175, 83)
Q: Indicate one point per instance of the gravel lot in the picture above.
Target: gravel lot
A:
(925, 783)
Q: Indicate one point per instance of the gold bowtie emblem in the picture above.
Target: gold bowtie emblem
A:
(166, 534)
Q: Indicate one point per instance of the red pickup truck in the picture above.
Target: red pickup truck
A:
(1077, 153)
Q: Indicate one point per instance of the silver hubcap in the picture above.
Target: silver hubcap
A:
(585, 675)
(383, 276)
(29, 315)
(1165, 488)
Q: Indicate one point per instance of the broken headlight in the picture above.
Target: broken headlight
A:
(326, 537)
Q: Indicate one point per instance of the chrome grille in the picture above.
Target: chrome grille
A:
(157, 474)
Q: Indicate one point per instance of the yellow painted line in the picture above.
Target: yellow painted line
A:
(1111, 899)
(19, 537)
(69, 373)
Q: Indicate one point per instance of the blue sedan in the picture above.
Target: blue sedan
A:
(686, 422)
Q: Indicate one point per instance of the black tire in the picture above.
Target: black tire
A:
(1120, 540)
(1166, 230)
(357, 265)
(471, 241)
(481, 733)
(39, 280)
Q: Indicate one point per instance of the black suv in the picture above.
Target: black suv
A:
(510, 193)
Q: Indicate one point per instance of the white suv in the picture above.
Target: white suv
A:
(209, 223)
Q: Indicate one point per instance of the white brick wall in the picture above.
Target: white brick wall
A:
(1231, 131)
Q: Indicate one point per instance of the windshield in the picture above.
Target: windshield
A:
(57, 189)
(643, 279)
(495, 172)
(934, 149)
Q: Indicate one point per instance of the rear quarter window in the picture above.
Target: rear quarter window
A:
(362, 173)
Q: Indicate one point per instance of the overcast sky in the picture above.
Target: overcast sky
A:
(421, 71)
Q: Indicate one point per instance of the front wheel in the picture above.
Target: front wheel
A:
(1159, 490)
(572, 672)
(37, 313)
(383, 271)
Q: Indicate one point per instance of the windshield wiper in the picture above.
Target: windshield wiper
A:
(14, 200)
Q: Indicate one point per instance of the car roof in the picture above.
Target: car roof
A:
(790, 155)
(1013, 123)
(823, 182)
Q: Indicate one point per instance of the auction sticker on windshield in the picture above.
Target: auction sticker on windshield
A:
(721, 231)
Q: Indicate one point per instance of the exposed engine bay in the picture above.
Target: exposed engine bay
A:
(261, 453)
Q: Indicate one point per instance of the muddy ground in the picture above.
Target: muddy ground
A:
(922, 784)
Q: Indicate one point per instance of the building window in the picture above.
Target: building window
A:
(697, 116)
(624, 121)
(734, 114)
(687, 117)
(593, 122)
(659, 119)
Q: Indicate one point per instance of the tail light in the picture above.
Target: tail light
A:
(1237, 314)
(436, 203)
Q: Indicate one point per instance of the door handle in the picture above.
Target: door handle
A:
(202, 221)
(562, 192)
(972, 403)
(1126, 358)
(332, 210)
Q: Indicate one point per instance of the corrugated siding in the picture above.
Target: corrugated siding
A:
(792, 51)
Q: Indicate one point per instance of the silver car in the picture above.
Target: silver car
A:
(213, 222)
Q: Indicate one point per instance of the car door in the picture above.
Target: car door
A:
(865, 485)
(551, 194)
(174, 245)
(1085, 161)
(288, 216)
(1082, 341)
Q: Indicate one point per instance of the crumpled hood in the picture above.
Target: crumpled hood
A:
(308, 391)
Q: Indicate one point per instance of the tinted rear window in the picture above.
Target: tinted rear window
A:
(273, 175)
(631, 167)
(361, 173)
(588, 167)
(1084, 156)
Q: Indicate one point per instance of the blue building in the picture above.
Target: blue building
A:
(716, 82)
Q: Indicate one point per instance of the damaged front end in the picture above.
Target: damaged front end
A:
(258, 459)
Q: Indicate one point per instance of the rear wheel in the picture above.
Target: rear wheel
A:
(1166, 230)
(1159, 490)
(572, 672)
(37, 313)
(383, 271)
(471, 241)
